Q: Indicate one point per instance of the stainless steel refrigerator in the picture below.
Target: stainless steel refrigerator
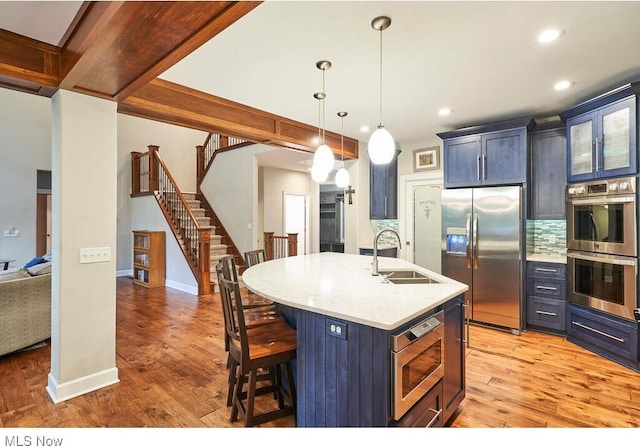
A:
(482, 247)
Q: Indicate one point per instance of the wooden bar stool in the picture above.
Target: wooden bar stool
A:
(267, 347)
(254, 317)
(253, 258)
(231, 273)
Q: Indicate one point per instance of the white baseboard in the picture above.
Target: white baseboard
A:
(60, 392)
(181, 287)
(170, 283)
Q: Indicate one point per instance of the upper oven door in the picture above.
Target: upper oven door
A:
(602, 224)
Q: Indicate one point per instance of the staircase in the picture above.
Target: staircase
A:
(191, 218)
(218, 248)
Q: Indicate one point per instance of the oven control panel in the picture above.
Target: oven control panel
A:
(616, 186)
(424, 327)
(417, 331)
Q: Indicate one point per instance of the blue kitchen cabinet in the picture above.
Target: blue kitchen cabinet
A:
(546, 296)
(609, 336)
(383, 189)
(488, 155)
(547, 172)
(602, 135)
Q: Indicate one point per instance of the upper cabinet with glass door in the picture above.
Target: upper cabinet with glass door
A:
(601, 135)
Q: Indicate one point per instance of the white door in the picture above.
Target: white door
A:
(427, 215)
(296, 219)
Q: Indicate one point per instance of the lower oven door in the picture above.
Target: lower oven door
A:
(603, 282)
(417, 368)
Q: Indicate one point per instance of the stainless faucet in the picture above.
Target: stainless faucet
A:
(374, 264)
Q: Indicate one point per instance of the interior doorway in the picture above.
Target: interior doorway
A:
(296, 219)
(43, 213)
(423, 210)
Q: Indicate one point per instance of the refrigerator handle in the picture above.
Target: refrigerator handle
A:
(475, 241)
(468, 230)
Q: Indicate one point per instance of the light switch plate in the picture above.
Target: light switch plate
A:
(94, 255)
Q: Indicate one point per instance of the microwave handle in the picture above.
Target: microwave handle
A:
(616, 261)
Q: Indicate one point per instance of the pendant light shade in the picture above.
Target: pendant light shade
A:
(319, 175)
(381, 146)
(342, 175)
(323, 158)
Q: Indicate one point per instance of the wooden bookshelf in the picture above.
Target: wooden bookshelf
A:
(149, 258)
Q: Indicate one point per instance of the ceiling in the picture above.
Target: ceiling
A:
(480, 59)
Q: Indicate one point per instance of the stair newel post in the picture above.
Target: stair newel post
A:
(154, 167)
(224, 141)
(292, 242)
(268, 245)
(204, 260)
(200, 155)
(135, 172)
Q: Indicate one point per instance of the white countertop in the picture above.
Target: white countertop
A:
(549, 258)
(341, 286)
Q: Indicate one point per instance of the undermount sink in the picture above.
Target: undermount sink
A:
(406, 277)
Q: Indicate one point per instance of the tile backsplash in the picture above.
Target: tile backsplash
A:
(548, 237)
(386, 238)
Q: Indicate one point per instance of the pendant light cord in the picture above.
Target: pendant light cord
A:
(380, 124)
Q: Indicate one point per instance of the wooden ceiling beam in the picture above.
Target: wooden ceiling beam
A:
(27, 64)
(117, 47)
(165, 101)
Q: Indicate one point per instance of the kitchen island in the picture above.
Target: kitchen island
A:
(345, 319)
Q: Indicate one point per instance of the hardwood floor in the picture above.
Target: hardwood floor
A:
(171, 363)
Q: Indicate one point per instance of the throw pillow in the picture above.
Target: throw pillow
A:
(34, 261)
(40, 269)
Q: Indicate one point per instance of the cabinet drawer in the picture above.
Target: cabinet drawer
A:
(548, 313)
(549, 288)
(609, 336)
(548, 270)
(427, 412)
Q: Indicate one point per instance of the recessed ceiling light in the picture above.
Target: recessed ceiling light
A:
(364, 128)
(562, 85)
(445, 111)
(549, 35)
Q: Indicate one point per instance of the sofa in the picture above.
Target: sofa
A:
(25, 307)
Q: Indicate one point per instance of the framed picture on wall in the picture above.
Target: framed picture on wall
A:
(426, 159)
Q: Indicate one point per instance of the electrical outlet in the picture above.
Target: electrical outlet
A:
(94, 255)
(337, 329)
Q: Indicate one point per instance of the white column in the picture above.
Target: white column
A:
(84, 190)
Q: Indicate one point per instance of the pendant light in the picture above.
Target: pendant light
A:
(323, 158)
(381, 146)
(342, 175)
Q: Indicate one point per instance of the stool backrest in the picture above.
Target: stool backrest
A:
(254, 257)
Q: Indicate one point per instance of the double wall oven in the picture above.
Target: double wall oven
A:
(602, 256)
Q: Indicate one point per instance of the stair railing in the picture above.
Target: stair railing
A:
(194, 238)
(279, 246)
(207, 152)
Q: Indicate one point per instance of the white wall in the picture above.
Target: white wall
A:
(275, 182)
(25, 147)
(231, 187)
